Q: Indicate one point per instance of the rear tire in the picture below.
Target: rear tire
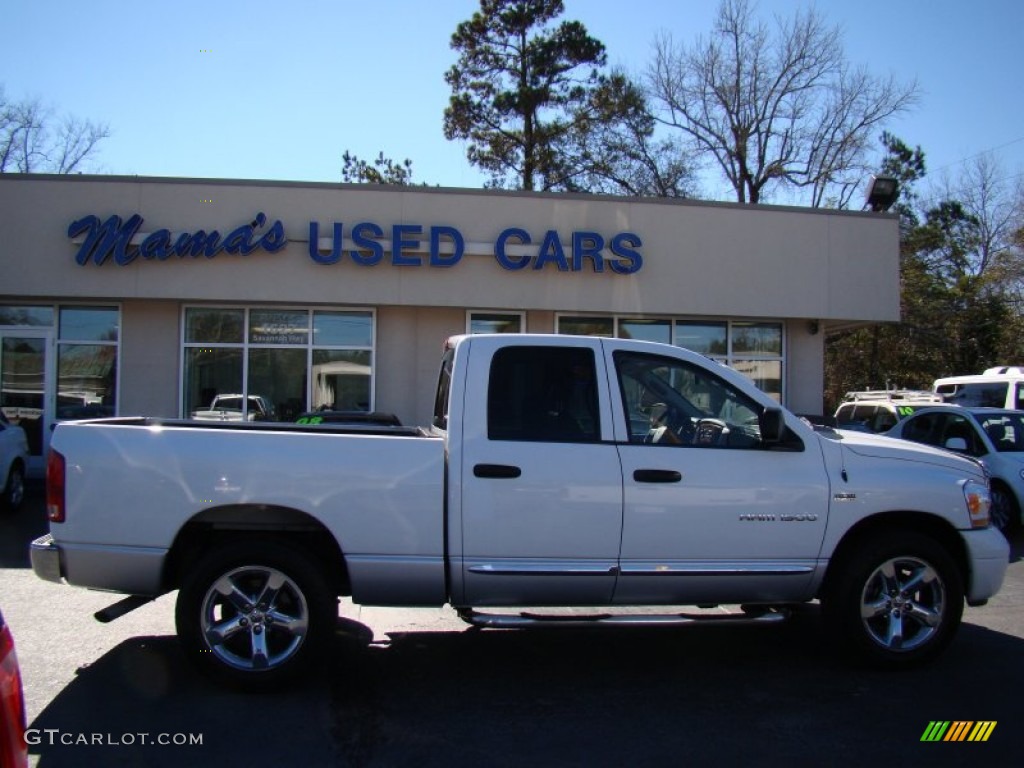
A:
(897, 601)
(255, 614)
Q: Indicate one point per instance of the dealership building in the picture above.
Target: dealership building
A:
(162, 296)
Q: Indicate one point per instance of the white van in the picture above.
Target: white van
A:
(995, 388)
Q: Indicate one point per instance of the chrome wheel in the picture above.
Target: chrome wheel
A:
(254, 618)
(903, 604)
(894, 598)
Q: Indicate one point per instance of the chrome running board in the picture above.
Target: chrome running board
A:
(533, 620)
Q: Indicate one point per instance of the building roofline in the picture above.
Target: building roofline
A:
(477, 192)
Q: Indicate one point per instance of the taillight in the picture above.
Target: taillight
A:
(13, 750)
(55, 487)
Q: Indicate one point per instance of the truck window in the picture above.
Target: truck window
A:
(543, 394)
(671, 402)
(444, 388)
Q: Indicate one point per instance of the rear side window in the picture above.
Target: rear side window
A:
(543, 394)
(444, 389)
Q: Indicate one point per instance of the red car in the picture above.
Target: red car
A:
(13, 750)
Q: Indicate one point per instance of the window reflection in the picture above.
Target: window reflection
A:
(86, 381)
(280, 369)
(88, 323)
(341, 379)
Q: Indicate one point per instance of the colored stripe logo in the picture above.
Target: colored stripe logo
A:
(958, 730)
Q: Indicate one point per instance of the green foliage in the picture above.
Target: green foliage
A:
(528, 97)
(384, 170)
(958, 308)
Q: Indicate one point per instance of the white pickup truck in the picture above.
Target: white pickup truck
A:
(558, 471)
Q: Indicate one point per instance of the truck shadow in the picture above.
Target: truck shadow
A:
(703, 696)
(18, 529)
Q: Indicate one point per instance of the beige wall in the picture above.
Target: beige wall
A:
(149, 358)
(700, 259)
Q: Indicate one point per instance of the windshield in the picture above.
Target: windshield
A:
(1005, 430)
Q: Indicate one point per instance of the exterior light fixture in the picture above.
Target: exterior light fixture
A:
(882, 193)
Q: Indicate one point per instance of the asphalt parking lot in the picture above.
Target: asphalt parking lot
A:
(420, 688)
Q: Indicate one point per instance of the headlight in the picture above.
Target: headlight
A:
(979, 503)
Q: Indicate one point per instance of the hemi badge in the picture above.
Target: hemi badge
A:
(845, 497)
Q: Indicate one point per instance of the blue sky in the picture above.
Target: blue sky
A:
(279, 90)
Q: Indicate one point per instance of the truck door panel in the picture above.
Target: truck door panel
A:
(709, 513)
(541, 487)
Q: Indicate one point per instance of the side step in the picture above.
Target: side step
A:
(528, 620)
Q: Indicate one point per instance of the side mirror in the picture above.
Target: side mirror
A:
(772, 425)
(956, 444)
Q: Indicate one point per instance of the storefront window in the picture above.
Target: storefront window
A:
(342, 329)
(341, 379)
(495, 322)
(273, 364)
(270, 326)
(587, 326)
(757, 339)
(87, 362)
(88, 324)
(36, 317)
(215, 326)
(710, 339)
(752, 348)
(646, 330)
(209, 372)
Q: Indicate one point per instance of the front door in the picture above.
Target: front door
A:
(711, 514)
(25, 366)
(540, 478)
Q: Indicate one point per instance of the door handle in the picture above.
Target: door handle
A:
(497, 471)
(657, 476)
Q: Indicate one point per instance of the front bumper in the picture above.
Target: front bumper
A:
(988, 556)
(45, 556)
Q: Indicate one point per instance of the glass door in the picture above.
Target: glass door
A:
(25, 366)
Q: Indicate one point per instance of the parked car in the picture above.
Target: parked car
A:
(13, 460)
(13, 750)
(229, 408)
(1001, 387)
(880, 410)
(993, 436)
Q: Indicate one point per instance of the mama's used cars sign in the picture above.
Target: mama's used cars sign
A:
(364, 244)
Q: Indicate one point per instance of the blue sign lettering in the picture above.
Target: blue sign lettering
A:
(437, 259)
(399, 243)
(505, 260)
(587, 245)
(363, 235)
(624, 246)
(444, 246)
(113, 238)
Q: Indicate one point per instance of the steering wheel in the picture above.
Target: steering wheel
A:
(710, 432)
(670, 425)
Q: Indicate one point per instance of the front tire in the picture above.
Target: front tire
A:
(255, 614)
(898, 599)
(1005, 510)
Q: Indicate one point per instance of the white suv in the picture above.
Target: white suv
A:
(13, 460)
(1001, 387)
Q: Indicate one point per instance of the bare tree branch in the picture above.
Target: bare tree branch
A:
(774, 106)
